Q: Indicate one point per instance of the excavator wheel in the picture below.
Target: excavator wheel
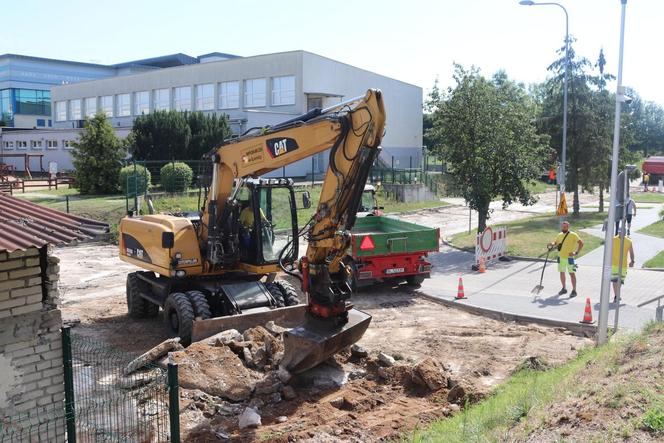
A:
(289, 292)
(179, 317)
(200, 304)
(277, 293)
(137, 306)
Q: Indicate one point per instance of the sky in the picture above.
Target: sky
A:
(415, 41)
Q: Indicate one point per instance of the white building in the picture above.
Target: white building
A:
(252, 91)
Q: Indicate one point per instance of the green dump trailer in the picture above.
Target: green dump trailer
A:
(384, 248)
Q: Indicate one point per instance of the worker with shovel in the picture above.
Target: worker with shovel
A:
(569, 245)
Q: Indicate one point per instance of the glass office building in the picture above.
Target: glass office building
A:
(25, 102)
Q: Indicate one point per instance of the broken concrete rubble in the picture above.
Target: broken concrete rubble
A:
(154, 354)
(224, 338)
(249, 419)
(358, 351)
(385, 359)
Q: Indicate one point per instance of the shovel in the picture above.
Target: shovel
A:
(537, 289)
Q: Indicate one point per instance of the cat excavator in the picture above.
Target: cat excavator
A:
(223, 260)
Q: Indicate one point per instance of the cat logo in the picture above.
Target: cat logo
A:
(280, 146)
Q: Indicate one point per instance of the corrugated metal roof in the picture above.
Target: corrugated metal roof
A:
(24, 224)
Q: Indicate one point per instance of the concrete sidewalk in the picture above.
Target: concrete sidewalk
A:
(506, 287)
(645, 246)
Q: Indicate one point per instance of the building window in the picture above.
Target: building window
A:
(162, 99)
(9, 145)
(22, 144)
(6, 110)
(32, 102)
(107, 105)
(182, 98)
(124, 105)
(141, 102)
(229, 95)
(41, 122)
(60, 111)
(51, 144)
(90, 107)
(254, 92)
(75, 109)
(205, 97)
(68, 144)
(283, 90)
(36, 144)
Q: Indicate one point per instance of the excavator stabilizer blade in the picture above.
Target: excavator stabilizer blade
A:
(313, 342)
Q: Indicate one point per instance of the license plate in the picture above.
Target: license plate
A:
(394, 270)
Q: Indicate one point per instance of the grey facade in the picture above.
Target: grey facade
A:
(267, 89)
(253, 91)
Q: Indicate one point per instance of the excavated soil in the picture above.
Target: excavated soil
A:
(375, 402)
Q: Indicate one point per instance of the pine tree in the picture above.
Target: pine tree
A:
(97, 157)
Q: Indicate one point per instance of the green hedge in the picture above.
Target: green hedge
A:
(126, 179)
(176, 177)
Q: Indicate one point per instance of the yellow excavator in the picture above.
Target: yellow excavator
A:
(223, 260)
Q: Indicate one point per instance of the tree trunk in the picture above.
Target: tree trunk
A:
(601, 197)
(576, 209)
(481, 218)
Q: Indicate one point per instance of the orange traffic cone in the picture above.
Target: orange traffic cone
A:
(460, 294)
(588, 313)
(482, 265)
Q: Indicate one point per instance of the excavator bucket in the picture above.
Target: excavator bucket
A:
(314, 341)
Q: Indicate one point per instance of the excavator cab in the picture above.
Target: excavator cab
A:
(267, 221)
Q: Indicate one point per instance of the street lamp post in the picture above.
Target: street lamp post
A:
(564, 153)
(603, 320)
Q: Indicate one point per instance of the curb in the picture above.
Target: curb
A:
(578, 329)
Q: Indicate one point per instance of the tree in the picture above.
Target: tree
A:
(207, 132)
(97, 157)
(161, 135)
(489, 139)
(174, 135)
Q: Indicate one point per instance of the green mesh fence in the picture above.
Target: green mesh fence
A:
(102, 403)
(111, 406)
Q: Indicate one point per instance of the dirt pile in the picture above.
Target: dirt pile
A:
(235, 390)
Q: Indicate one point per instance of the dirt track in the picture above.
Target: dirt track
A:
(479, 351)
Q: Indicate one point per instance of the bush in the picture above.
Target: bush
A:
(126, 177)
(176, 177)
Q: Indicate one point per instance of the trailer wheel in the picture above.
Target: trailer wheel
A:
(415, 280)
(137, 306)
(277, 293)
(200, 304)
(289, 292)
(179, 317)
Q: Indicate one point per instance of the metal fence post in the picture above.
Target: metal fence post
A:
(67, 202)
(392, 169)
(70, 407)
(174, 402)
(312, 170)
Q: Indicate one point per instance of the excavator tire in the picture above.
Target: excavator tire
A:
(137, 306)
(179, 317)
(200, 304)
(289, 292)
(277, 293)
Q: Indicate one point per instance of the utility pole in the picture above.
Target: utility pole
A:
(602, 324)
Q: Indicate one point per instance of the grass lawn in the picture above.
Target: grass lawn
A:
(528, 237)
(648, 197)
(655, 262)
(534, 403)
(539, 187)
(111, 208)
(656, 229)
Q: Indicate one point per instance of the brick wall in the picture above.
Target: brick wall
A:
(31, 374)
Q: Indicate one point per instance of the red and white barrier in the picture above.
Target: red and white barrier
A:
(491, 244)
